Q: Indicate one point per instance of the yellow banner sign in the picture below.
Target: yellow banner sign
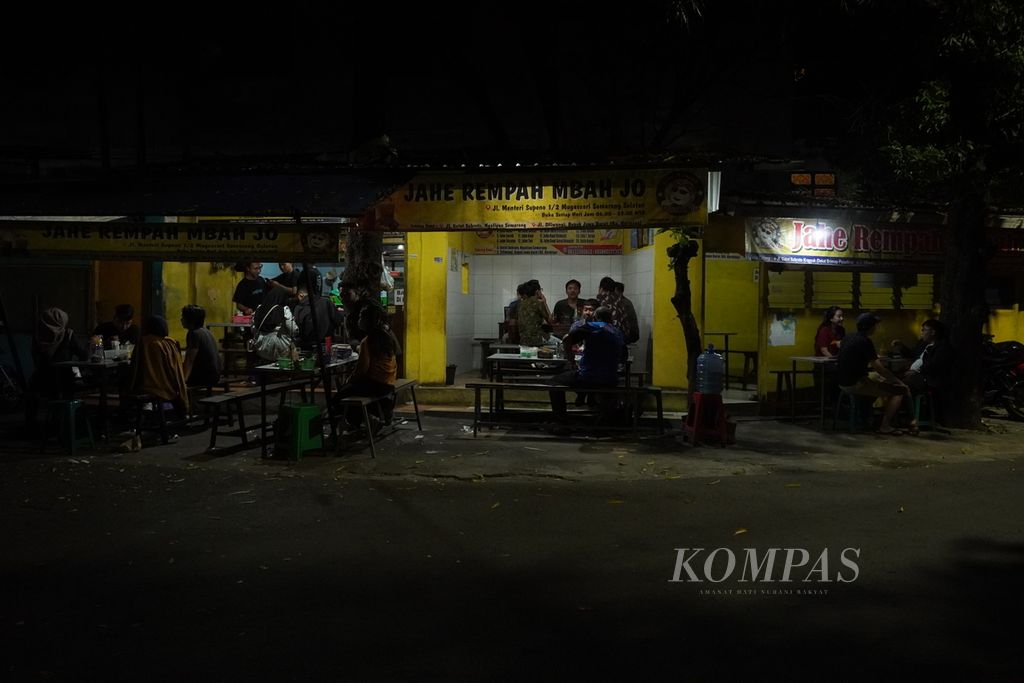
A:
(569, 242)
(548, 200)
(808, 241)
(169, 241)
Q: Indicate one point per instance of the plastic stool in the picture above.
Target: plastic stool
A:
(706, 419)
(62, 422)
(853, 401)
(299, 428)
(930, 404)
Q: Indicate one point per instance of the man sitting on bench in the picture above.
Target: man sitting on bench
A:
(376, 369)
(603, 349)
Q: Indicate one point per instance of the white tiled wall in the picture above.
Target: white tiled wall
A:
(638, 278)
(459, 322)
(493, 281)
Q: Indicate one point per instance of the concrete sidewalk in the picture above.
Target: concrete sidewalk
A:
(446, 449)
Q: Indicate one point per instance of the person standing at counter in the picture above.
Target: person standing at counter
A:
(632, 322)
(250, 289)
(611, 299)
(288, 279)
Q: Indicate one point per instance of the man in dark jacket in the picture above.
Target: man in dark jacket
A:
(603, 349)
(327, 319)
(932, 370)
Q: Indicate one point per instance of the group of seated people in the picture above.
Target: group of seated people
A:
(529, 321)
(860, 371)
(159, 368)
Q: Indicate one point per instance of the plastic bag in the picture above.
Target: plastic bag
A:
(386, 281)
(272, 345)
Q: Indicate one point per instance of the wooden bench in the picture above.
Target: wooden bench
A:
(632, 394)
(787, 378)
(749, 366)
(233, 399)
(364, 403)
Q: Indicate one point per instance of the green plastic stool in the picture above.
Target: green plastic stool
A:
(299, 429)
(62, 418)
(930, 405)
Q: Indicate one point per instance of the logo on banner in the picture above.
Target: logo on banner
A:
(680, 193)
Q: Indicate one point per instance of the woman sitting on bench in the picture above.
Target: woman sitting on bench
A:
(157, 369)
(376, 369)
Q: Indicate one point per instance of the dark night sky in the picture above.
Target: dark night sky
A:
(543, 81)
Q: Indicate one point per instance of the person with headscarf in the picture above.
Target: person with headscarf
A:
(54, 342)
(157, 368)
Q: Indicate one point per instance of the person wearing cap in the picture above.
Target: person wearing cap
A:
(121, 327)
(857, 356)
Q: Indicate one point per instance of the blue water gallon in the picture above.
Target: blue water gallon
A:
(710, 372)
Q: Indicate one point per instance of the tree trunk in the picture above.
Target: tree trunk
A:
(682, 301)
(361, 279)
(964, 310)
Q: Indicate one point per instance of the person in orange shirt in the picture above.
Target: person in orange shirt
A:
(376, 369)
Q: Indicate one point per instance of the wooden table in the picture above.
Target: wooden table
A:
(819, 363)
(102, 369)
(271, 370)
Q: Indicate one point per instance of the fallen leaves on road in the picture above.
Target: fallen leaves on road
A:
(716, 481)
(495, 505)
(739, 531)
(901, 509)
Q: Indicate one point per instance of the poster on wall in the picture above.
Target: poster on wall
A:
(783, 330)
(641, 237)
(562, 200)
(566, 242)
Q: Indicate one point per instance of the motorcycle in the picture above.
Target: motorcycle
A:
(1003, 376)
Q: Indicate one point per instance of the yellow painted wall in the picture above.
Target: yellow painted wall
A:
(1007, 324)
(669, 363)
(426, 273)
(118, 282)
(205, 284)
(732, 304)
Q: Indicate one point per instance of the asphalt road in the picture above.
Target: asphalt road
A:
(116, 570)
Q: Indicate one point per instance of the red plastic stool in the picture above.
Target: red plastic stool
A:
(707, 419)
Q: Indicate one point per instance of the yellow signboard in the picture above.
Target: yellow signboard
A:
(808, 241)
(569, 242)
(569, 200)
(221, 241)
